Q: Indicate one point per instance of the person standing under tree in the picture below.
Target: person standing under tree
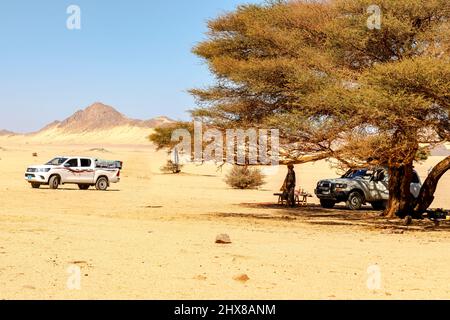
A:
(289, 186)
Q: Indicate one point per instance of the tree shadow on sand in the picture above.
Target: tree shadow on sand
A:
(338, 216)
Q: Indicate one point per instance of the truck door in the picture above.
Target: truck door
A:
(70, 170)
(86, 171)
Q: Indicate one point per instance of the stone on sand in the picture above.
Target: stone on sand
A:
(223, 239)
(241, 278)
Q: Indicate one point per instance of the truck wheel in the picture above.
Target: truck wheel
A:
(355, 200)
(54, 182)
(102, 184)
(328, 204)
(83, 186)
(35, 185)
(378, 205)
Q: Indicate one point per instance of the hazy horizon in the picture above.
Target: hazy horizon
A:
(133, 56)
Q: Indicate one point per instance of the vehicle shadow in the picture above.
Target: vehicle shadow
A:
(78, 190)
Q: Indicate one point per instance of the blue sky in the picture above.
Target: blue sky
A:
(134, 55)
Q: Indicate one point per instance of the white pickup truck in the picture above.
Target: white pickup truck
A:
(83, 171)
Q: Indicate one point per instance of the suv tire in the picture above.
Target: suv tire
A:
(35, 185)
(54, 182)
(102, 184)
(83, 186)
(327, 204)
(355, 200)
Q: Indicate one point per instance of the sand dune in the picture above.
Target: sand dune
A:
(117, 135)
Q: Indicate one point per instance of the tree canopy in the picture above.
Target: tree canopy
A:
(334, 86)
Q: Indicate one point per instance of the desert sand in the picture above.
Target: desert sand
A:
(152, 236)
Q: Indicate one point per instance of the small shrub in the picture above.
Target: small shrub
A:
(170, 167)
(243, 177)
(423, 154)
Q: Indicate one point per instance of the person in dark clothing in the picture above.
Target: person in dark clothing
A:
(289, 186)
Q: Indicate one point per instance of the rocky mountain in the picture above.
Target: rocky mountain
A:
(6, 133)
(101, 117)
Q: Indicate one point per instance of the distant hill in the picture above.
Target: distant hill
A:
(442, 150)
(6, 133)
(96, 124)
(100, 117)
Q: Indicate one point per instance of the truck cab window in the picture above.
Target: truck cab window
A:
(72, 163)
(85, 163)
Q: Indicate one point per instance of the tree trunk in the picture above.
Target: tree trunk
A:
(400, 197)
(426, 195)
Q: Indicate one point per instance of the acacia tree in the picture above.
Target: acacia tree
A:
(332, 85)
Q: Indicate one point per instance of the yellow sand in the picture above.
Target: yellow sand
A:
(152, 236)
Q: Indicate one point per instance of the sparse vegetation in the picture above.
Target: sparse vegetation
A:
(99, 150)
(171, 167)
(423, 154)
(245, 177)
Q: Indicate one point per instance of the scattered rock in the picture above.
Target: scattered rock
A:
(223, 239)
(200, 277)
(78, 262)
(393, 231)
(29, 287)
(34, 154)
(100, 150)
(241, 278)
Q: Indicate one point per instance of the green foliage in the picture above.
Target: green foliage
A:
(423, 154)
(244, 177)
(163, 135)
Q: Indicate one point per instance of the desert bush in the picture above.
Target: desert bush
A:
(243, 177)
(423, 154)
(170, 167)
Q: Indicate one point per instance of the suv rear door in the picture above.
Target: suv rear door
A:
(416, 185)
(378, 186)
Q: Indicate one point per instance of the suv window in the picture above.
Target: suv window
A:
(85, 163)
(351, 174)
(71, 163)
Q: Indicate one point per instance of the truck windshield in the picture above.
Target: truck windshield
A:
(56, 162)
(351, 174)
